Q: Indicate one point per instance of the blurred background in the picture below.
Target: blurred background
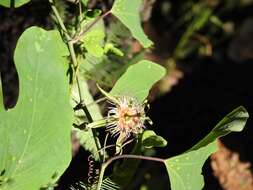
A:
(207, 49)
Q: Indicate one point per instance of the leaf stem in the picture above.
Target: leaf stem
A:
(96, 101)
(128, 156)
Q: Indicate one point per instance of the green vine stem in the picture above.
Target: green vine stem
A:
(127, 156)
(80, 10)
(80, 36)
(58, 17)
(70, 44)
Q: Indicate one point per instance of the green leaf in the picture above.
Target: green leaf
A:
(150, 139)
(35, 144)
(87, 98)
(93, 42)
(185, 169)
(1, 97)
(85, 2)
(13, 3)
(86, 139)
(128, 13)
(138, 79)
(233, 122)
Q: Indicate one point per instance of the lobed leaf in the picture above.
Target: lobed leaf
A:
(128, 13)
(35, 144)
(185, 170)
(138, 79)
(13, 3)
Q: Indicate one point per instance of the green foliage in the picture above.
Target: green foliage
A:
(128, 14)
(138, 79)
(107, 69)
(13, 3)
(35, 135)
(118, 33)
(198, 22)
(123, 173)
(92, 41)
(185, 170)
(108, 184)
(233, 122)
(85, 2)
(1, 97)
(150, 140)
(86, 137)
(98, 69)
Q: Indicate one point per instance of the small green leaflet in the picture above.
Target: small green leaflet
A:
(138, 79)
(150, 139)
(35, 144)
(127, 11)
(13, 3)
(185, 170)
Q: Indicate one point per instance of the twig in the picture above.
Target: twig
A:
(59, 20)
(80, 10)
(79, 36)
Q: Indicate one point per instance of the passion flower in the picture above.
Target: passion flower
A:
(126, 116)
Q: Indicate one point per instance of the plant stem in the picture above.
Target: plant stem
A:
(80, 10)
(58, 17)
(96, 101)
(128, 156)
(105, 141)
(78, 37)
(75, 64)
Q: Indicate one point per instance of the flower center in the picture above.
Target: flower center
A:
(128, 117)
